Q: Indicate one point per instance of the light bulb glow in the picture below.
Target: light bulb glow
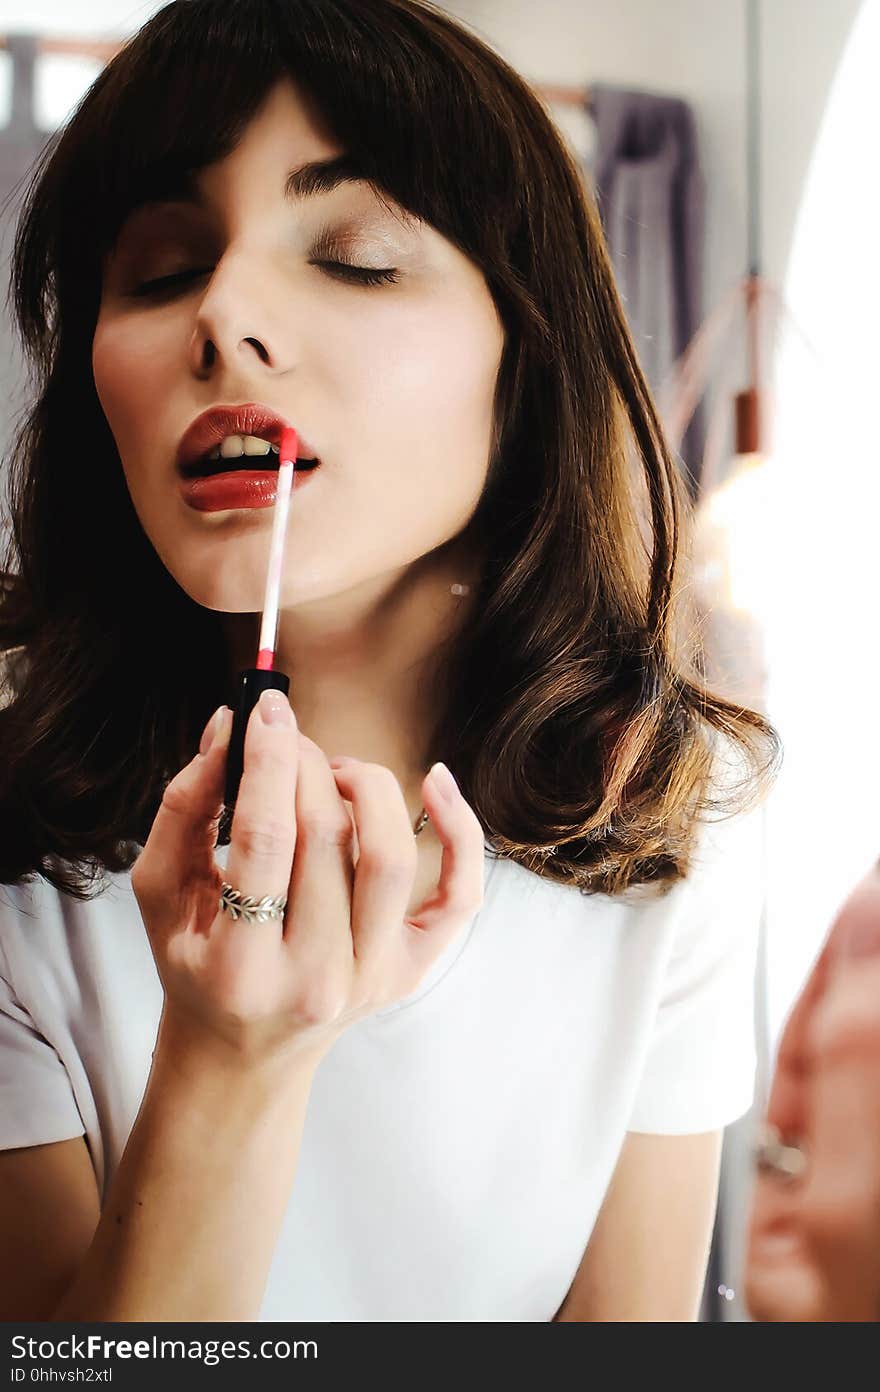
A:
(734, 547)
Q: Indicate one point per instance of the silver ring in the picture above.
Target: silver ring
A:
(250, 909)
(771, 1156)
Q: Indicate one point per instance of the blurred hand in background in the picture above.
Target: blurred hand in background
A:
(814, 1237)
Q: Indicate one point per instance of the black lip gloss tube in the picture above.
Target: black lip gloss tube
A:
(251, 682)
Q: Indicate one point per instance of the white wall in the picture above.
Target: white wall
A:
(695, 49)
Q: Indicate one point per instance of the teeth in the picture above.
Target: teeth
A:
(234, 446)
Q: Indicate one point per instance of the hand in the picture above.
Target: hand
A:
(345, 947)
(814, 1242)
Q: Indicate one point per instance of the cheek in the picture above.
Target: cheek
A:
(128, 363)
(116, 379)
(133, 371)
(127, 374)
(105, 368)
(426, 391)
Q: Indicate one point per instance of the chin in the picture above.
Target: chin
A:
(228, 587)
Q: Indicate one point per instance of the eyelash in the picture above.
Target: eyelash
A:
(360, 275)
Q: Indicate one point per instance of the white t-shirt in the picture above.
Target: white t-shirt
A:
(457, 1144)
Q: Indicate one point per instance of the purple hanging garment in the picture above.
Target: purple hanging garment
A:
(651, 198)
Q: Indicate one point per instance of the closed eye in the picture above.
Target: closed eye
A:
(365, 275)
(362, 275)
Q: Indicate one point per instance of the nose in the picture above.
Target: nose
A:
(242, 320)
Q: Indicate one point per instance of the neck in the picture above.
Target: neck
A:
(364, 665)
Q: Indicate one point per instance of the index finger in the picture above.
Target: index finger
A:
(263, 836)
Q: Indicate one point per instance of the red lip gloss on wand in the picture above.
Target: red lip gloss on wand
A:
(254, 680)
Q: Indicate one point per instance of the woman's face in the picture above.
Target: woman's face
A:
(392, 384)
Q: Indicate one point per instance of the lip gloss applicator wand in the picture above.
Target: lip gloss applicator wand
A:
(262, 677)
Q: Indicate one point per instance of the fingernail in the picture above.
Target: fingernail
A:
(443, 781)
(211, 730)
(275, 708)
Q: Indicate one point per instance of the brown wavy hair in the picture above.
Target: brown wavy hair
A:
(575, 716)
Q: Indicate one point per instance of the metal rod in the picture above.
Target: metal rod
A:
(753, 128)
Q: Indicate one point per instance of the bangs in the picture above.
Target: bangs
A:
(178, 105)
(180, 94)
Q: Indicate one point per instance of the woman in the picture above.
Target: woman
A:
(479, 1073)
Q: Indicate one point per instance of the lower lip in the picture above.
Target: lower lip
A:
(240, 489)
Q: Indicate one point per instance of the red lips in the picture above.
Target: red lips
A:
(210, 429)
(232, 492)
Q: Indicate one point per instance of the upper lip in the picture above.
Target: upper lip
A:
(250, 418)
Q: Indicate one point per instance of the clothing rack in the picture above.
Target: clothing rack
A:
(103, 50)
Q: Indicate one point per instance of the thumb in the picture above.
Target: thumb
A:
(184, 831)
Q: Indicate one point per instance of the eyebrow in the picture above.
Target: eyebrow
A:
(322, 176)
(306, 181)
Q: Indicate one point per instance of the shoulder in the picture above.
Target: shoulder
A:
(53, 946)
(33, 933)
(720, 900)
